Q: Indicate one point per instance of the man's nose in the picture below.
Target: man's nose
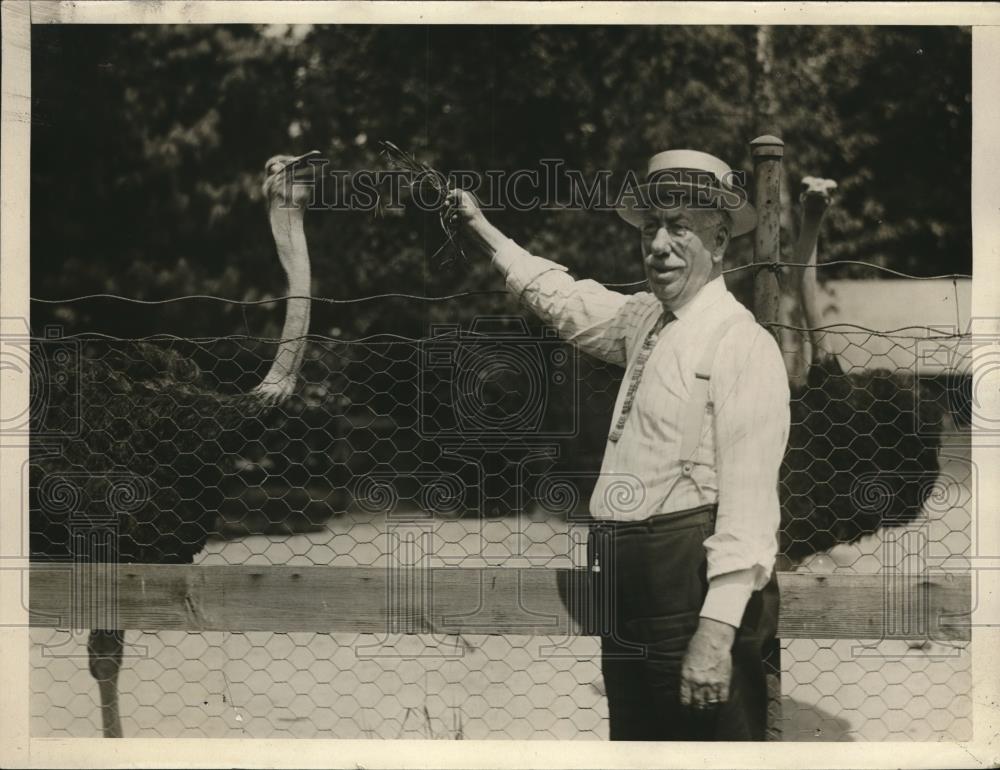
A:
(661, 242)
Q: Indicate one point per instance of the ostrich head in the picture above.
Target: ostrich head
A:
(816, 196)
(289, 180)
(288, 186)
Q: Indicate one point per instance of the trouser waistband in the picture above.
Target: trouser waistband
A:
(658, 521)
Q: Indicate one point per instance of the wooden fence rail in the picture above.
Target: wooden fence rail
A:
(449, 600)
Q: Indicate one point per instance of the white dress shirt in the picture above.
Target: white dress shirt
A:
(743, 438)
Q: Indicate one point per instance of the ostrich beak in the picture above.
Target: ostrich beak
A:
(298, 161)
(283, 174)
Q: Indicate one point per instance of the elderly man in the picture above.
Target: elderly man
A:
(684, 558)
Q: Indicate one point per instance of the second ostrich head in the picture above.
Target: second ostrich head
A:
(816, 195)
(288, 186)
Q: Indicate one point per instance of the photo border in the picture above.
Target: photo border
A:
(18, 749)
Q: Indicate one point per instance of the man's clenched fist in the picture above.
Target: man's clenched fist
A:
(461, 208)
(707, 668)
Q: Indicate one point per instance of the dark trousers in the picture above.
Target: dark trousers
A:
(649, 582)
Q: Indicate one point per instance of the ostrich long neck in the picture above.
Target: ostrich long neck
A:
(290, 240)
(805, 255)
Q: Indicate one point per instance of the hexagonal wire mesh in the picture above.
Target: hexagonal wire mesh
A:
(371, 442)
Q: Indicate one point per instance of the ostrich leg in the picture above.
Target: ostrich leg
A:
(105, 651)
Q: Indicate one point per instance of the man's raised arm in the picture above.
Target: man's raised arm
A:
(585, 313)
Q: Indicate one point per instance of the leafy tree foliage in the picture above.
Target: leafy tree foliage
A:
(148, 146)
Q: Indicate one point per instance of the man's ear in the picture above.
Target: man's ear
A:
(721, 243)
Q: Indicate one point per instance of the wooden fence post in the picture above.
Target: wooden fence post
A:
(767, 152)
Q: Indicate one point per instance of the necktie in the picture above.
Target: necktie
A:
(640, 364)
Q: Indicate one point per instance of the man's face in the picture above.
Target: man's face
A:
(682, 250)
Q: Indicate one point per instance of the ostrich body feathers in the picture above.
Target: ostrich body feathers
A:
(138, 450)
(857, 460)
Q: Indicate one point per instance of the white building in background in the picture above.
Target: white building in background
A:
(916, 315)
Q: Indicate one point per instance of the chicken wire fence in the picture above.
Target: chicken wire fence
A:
(480, 445)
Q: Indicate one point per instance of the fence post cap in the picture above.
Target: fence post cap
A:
(767, 146)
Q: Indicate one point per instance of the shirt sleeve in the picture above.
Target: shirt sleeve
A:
(584, 313)
(751, 402)
(728, 595)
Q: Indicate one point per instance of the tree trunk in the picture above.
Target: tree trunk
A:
(766, 119)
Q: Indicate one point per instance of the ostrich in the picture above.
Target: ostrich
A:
(122, 489)
(856, 460)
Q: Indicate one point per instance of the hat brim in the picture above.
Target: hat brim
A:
(742, 213)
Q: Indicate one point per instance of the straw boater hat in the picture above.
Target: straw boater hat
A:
(703, 178)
